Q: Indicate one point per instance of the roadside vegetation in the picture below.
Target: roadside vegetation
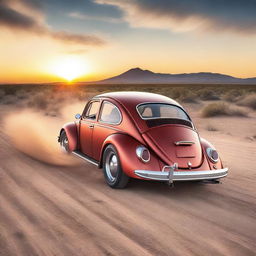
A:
(248, 101)
(50, 97)
(222, 109)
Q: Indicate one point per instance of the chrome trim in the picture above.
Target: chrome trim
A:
(84, 157)
(102, 106)
(182, 175)
(175, 166)
(185, 143)
(179, 106)
(102, 125)
(139, 151)
(111, 166)
(208, 151)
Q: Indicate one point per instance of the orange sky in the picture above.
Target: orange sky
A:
(42, 46)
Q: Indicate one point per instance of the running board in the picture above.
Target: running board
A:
(85, 157)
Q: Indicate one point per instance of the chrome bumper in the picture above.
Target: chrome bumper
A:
(181, 175)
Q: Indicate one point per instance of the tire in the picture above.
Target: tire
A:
(64, 142)
(114, 175)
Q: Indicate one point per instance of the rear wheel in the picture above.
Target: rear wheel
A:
(114, 175)
(64, 142)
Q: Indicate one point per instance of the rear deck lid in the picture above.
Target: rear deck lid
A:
(175, 143)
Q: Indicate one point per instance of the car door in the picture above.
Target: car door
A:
(88, 121)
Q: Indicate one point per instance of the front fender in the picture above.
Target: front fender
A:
(126, 148)
(72, 134)
(206, 144)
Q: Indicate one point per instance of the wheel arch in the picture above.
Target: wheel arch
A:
(72, 134)
(126, 147)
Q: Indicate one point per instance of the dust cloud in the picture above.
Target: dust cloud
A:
(35, 134)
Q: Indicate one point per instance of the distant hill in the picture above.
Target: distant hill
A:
(140, 76)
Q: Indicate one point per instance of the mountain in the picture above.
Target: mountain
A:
(140, 76)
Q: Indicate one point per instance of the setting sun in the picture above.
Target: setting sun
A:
(70, 68)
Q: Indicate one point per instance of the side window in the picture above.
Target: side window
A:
(110, 114)
(92, 110)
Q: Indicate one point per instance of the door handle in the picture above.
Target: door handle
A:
(91, 126)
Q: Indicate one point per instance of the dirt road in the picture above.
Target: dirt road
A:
(53, 210)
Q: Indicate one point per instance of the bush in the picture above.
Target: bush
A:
(221, 109)
(208, 94)
(248, 101)
(176, 93)
(184, 95)
(233, 95)
(188, 97)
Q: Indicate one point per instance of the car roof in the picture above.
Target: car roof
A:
(129, 100)
(135, 98)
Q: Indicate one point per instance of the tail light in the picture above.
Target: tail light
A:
(212, 154)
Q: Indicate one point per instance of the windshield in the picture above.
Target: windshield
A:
(160, 110)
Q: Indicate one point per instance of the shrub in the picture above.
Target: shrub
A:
(233, 95)
(248, 101)
(184, 95)
(188, 97)
(208, 94)
(176, 93)
(221, 109)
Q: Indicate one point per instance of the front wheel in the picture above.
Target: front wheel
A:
(114, 175)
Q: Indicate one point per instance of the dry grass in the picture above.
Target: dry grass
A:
(222, 109)
(248, 101)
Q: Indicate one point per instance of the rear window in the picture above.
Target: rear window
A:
(158, 110)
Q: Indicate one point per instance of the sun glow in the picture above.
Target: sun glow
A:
(70, 68)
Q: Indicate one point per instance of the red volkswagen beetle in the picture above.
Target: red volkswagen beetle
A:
(143, 136)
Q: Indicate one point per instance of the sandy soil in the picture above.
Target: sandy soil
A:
(48, 209)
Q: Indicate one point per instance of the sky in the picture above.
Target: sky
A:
(88, 40)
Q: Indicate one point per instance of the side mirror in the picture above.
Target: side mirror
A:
(78, 116)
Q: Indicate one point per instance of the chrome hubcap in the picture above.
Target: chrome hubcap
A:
(111, 166)
(64, 144)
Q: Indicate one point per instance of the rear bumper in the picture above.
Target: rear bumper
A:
(172, 175)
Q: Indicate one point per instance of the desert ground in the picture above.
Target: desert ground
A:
(54, 204)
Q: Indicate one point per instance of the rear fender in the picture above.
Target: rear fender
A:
(72, 134)
(126, 148)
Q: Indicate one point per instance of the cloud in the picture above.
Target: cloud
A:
(186, 15)
(83, 16)
(14, 19)
(75, 38)
(33, 4)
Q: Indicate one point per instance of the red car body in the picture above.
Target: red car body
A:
(172, 146)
